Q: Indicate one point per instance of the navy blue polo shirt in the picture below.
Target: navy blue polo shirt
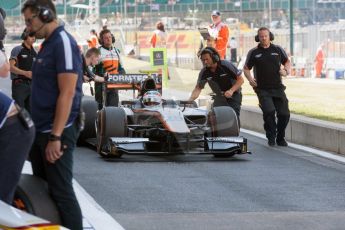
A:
(5, 101)
(5, 105)
(59, 54)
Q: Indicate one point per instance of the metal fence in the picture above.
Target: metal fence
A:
(316, 23)
(306, 42)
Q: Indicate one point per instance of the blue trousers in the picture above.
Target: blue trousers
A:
(59, 175)
(15, 144)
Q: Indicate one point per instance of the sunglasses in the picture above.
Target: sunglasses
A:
(28, 21)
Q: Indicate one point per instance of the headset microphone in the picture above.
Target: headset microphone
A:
(33, 33)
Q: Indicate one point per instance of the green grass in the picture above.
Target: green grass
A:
(321, 99)
(317, 98)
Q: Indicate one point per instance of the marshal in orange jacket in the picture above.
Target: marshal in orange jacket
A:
(220, 32)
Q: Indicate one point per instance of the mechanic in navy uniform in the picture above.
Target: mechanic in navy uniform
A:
(15, 137)
(270, 63)
(55, 107)
(21, 62)
(110, 63)
(228, 78)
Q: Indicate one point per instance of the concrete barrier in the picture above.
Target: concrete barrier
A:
(328, 136)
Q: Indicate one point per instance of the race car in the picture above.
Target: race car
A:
(12, 218)
(149, 124)
(33, 208)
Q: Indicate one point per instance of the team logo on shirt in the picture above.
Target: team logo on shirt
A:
(274, 54)
(258, 55)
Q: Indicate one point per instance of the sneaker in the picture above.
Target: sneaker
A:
(271, 142)
(282, 142)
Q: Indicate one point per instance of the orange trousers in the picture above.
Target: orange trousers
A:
(318, 69)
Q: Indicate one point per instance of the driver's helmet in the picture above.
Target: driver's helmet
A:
(152, 98)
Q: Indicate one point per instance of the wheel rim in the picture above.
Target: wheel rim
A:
(22, 203)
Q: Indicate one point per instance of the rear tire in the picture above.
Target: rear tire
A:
(32, 196)
(111, 122)
(90, 107)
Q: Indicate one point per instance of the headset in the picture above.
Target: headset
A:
(264, 28)
(44, 11)
(105, 31)
(213, 52)
(45, 14)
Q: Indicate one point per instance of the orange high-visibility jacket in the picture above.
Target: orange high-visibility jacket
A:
(158, 39)
(222, 38)
(319, 60)
(93, 42)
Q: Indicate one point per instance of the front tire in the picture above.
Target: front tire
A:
(89, 106)
(224, 123)
(111, 122)
(33, 197)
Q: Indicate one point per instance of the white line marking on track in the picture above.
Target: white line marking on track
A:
(93, 213)
(328, 155)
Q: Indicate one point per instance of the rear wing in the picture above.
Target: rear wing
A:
(131, 81)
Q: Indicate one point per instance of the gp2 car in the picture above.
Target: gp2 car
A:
(148, 124)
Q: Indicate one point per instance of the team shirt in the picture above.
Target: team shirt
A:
(6, 102)
(59, 54)
(225, 76)
(24, 58)
(109, 62)
(266, 63)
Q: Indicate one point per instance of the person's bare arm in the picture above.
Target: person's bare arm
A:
(67, 84)
(249, 76)
(195, 93)
(96, 79)
(14, 69)
(286, 70)
(99, 79)
(235, 87)
(4, 65)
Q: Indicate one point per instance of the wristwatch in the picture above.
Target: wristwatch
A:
(53, 137)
